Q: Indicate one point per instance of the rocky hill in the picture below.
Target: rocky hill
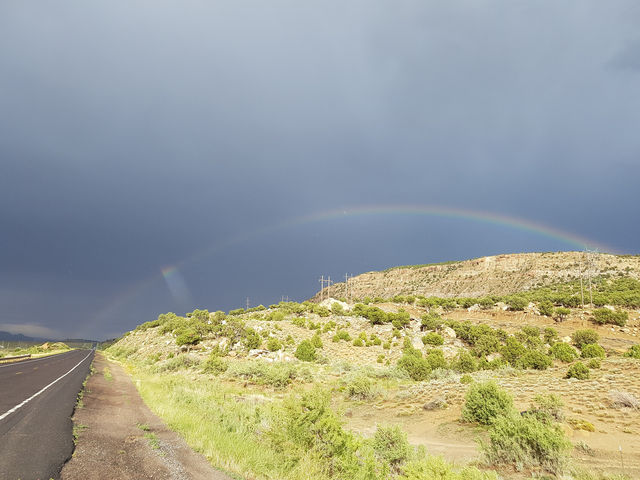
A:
(495, 275)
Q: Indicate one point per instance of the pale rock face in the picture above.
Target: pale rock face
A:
(449, 351)
(257, 352)
(328, 303)
(417, 343)
(448, 332)
(493, 356)
(566, 339)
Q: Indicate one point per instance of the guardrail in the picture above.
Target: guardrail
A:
(12, 359)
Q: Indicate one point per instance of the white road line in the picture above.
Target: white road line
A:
(9, 412)
(36, 359)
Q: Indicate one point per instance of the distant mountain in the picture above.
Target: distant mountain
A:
(17, 337)
(495, 275)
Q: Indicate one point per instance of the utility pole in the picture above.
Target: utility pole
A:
(329, 287)
(581, 287)
(321, 287)
(346, 286)
(591, 270)
(247, 303)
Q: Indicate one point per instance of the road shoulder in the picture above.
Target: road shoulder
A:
(118, 437)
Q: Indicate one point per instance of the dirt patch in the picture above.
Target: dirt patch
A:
(118, 437)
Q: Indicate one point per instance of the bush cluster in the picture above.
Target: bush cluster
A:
(604, 316)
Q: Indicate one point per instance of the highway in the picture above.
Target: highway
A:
(37, 398)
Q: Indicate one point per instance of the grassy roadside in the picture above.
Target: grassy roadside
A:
(259, 438)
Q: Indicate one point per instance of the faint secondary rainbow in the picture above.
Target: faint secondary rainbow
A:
(489, 218)
(177, 286)
(517, 223)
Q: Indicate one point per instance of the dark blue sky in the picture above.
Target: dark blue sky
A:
(136, 136)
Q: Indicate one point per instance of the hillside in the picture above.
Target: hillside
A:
(393, 376)
(494, 275)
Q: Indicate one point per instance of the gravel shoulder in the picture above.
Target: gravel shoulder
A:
(118, 437)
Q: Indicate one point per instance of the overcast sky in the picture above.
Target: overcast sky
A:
(142, 135)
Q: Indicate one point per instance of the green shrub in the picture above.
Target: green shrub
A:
(380, 358)
(359, 388)
(605, 316)
(299, 322)
(307, 425)
(188, 336)
(278, 375)
(386, 345)
(215, 365)
(581, 338)
(547, 408)
(358, 342)
(560, 313)
(486, 344)
(433, 338)
(273, 344)
(437, 468)
(416, 367)
(337, 309)
(436, 359)
(341, 335)
(465, 363)
(526, 442)
(512, 351)
(535, 360)
(252, 340)
(430, 321)
(546, 308)
(177, 363)
(550, 335)
(592, 350)
(484, 402)
(594, 363)
(399, 320)
(316, 341)
(563, 352)
(391, 446)
(579, 371)
(306, 351)
(530, 331)
(466, 379)
(633, 352)
(516, 303)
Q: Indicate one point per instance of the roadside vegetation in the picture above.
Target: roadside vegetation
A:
(268, 388)
(9, 349)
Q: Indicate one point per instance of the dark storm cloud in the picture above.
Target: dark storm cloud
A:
(136, 134)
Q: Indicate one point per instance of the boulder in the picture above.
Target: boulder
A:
(448, 332)
(435, 404)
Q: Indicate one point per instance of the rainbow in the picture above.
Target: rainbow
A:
(178, 288)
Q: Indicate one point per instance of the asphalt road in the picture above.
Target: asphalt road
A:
(37, 398)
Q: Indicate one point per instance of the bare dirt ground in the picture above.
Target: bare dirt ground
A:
(119, 438)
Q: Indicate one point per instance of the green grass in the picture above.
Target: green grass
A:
(153, 440)
(78, 428)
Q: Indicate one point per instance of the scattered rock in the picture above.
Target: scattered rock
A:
(257, 352)
(435, 404)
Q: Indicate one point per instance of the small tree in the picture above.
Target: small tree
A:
(306, 351)
(486, 401)
(560, 313)
(578, 371)
(563, 352)
(581, 338)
